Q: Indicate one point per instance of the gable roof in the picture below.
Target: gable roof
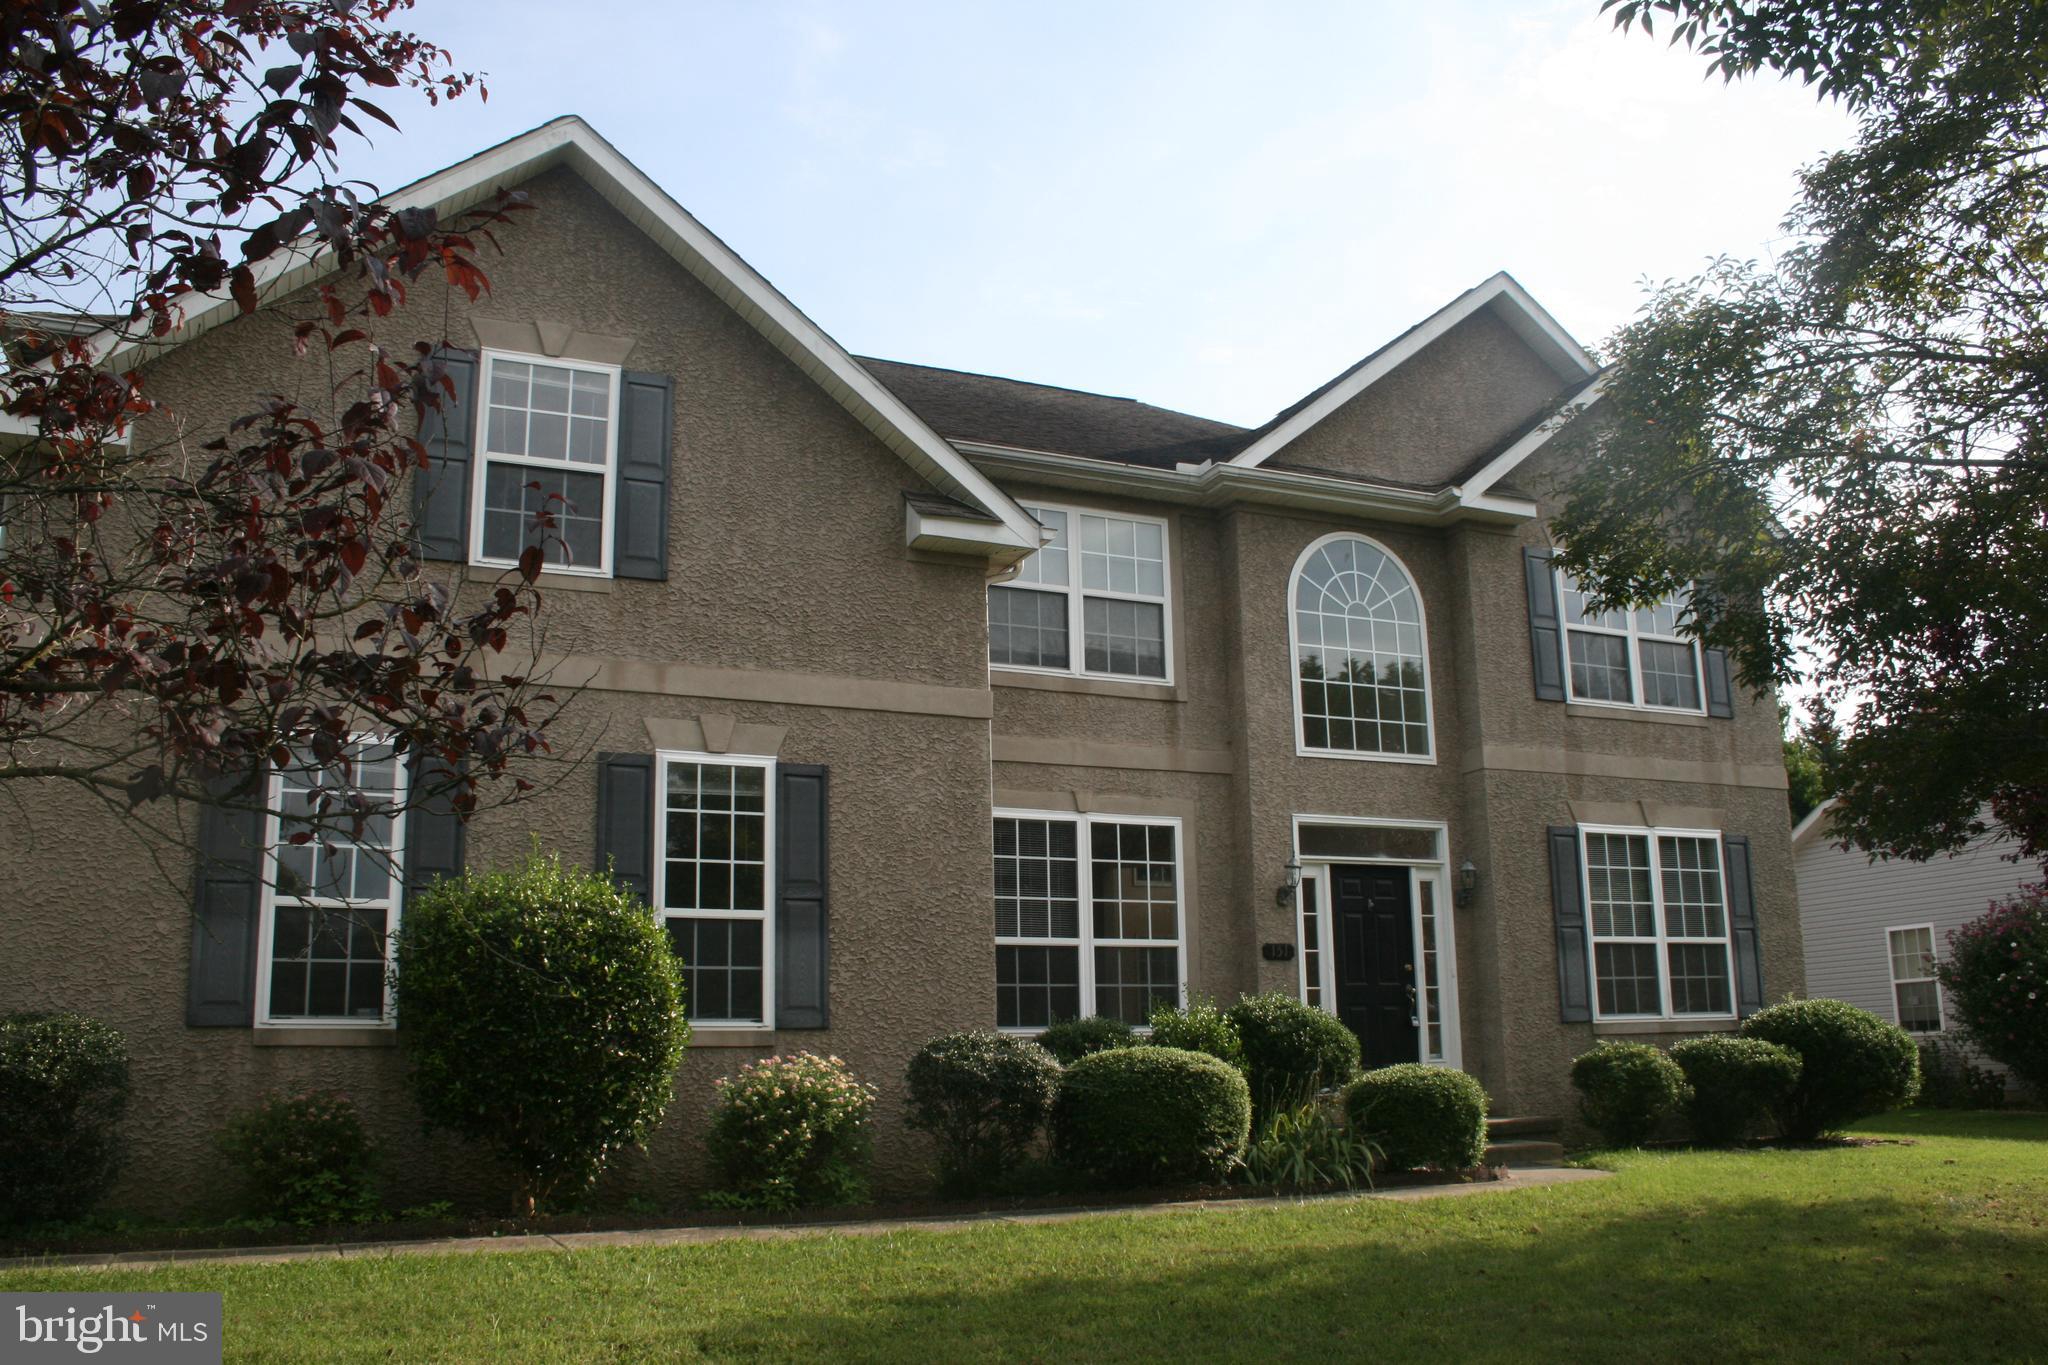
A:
(569, 141)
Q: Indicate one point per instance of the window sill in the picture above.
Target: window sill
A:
(274, 1036)
(1593, 710)
(1620, 1027)
(1099, 687)
(550, 580)
(732, 1037)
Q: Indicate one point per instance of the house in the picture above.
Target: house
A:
(1875, 927)
(917, 700)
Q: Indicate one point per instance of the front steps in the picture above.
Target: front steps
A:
(1523, 1142)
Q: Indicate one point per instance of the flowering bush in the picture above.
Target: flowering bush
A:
(63, 1090)
(792, 1131)
(306, 1159)
(1996, 977)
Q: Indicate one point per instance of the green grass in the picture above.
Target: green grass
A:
(1937, 1250)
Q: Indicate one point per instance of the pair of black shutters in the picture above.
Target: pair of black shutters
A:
(228, 895)
(1574, 980)
(1547, 658)
(441, 496)
(626, 842)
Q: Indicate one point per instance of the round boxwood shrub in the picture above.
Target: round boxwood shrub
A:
(983, 1096)
(1626, 1089)
(1852, 1064)
(1996, 981)
(1198, 1026)
(305, 1159)
(1420, 1116)
(1736, 1083)
(541, 1013)
(1291, 1050)
(791, 1132)
(1072, 1039)
(1151, 1116)
(63, 1090)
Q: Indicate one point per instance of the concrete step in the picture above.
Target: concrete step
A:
(1524, 1152)
(1530, 1127)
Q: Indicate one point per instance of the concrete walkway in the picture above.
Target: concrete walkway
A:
(1520, 1178)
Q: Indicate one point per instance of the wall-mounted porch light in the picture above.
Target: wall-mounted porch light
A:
(1468, 883)
(1285, 894)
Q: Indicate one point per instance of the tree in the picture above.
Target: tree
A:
(1847, 451)
(1805, 780)
(177, 611)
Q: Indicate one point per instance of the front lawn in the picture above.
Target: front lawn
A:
(1934, 1250)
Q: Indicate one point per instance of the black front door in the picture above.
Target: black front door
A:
(1376, 961)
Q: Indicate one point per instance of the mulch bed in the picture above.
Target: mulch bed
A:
(67, 1241)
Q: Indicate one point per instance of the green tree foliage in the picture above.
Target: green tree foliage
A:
(1996, 979)
(1805, 779)
(1848, 449)
(542, 1016)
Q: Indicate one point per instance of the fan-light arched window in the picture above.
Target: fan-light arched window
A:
(1361, 654)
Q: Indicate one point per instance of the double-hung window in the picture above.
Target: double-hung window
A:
(1630, 658)
(1100, 580)
(1916, 995)
(1657, 916)
(332, 889)
(548, 447)
(713, 886)
(1088, 917)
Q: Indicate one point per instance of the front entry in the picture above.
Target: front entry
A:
(1375, 934)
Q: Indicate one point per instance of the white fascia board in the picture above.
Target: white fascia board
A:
(1812, 825)
(1503, 464)
(1528, 318)
(571, 140)
(965, 535)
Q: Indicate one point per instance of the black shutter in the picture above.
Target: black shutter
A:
(646, 428)
(440, 492)
(1574, 994)
(1749, 962)
(1546, 630)
(434, 833)
(1720, 694)
(625, 821)
(226, 905)
(802, 937)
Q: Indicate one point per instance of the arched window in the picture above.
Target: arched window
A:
(1361, 656)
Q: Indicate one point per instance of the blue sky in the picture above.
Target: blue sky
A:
(1213, 207)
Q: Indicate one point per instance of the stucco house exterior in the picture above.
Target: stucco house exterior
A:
(916, 700)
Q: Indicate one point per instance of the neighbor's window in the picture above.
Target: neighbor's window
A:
(331, 899)
(1100, 580)
(1088, 916)
(1658, 922)
(549, 441)
(1629, 658)
(713, 884)
(1916, 995)
(1361, 668)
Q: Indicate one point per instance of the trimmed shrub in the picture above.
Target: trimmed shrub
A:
(1852, 1064)
(1736, 1084)
(791, 1132)
(1291, 1050)
(1949, 1079)
(1072, 1039)
(1996, 979)
(541, 1013)
(1311, 1148)
(1151, 1116)
(1626, 1089)
(1199, 1026)
(305, 1159)
(63, 1090)
(1420, 1116)
(983, 1096)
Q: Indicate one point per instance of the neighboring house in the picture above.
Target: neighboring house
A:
(1875, 927)
(920, 700)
